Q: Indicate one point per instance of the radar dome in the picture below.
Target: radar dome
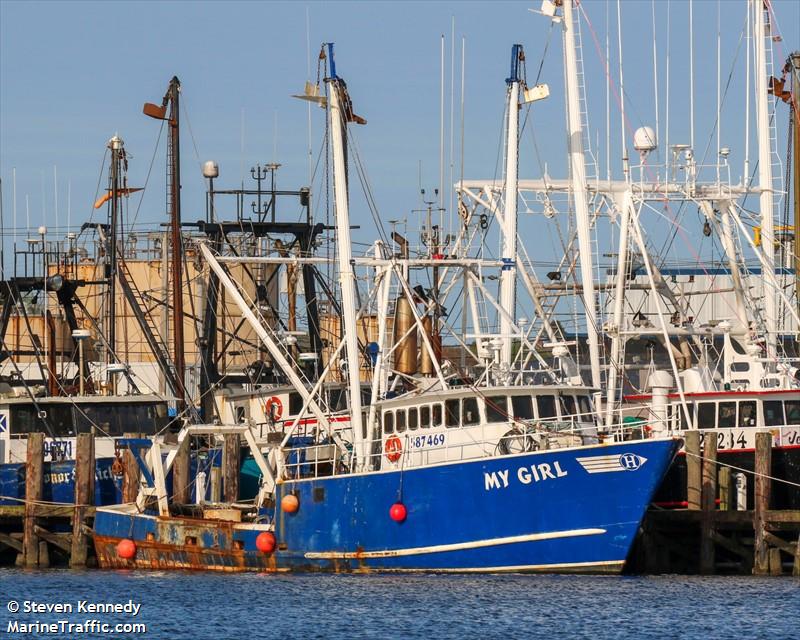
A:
(644, 139)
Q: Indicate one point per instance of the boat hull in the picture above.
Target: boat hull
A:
(550, 511)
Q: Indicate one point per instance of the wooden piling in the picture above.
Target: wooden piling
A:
(34, 482)
(796, 565)
(84, 497)
(216, 484)
(694, 475)
(763, 471)
(726, 501)
(130, 477)
(230, 466)
(180, 475)
(708, 500)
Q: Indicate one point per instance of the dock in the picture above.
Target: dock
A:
(714, 534)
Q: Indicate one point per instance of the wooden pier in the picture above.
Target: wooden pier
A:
(714, 534)
(40, 531)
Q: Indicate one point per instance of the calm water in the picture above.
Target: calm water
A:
(214, 607)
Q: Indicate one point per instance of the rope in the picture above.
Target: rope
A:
(752, 473)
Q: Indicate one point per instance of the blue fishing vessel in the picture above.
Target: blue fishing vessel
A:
(499, 466)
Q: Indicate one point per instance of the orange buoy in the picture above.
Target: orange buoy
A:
(265, 542)
(290, 503)
(126, 549)
(398, 512)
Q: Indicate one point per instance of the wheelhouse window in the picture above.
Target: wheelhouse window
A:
(773, 413)
(470, 411)
(792, 412)
(437, 415)
(388, 422)
(747, 414)
(682, 416)
(425, 417)
(568, 407)
(452, 410)
(585, 406)
(522, 408)
(706, 415)
(497, 409)
(547, 407)
(413, 419)
(295, 404)
(400, 420)
(726, 415)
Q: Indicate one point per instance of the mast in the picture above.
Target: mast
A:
(339, 114)
(793, 64)
(117, 154)
(172, 98)
(765, 178)
(508, 274)
(580, 199)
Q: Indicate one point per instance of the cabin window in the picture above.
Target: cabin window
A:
(425, 417)
(726, 415)
(546, 406)
(388, 422)
(497, 409)
(413, 419)
(295, 404)
(792, 412)
(470, 411)
(521, 407)
(240, 418)
(338, 399)
(437, 415)
(747, 414)
(452, 410)
(400, 420)
(585, 406)
(740, 366)
(773, 413)
(568, 407)
(706, 415)
(682, 416)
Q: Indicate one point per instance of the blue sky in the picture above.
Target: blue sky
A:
(72, 74)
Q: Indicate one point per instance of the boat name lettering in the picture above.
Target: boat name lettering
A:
(793, 437)
(525, 475)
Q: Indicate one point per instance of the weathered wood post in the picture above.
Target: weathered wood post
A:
(84, 497)
(230, 464)
(796, 565)
(694, 475)
(180, 474)
(763, 471)
(130, 477)
(708, 499)
(34, 482)
(725, 489)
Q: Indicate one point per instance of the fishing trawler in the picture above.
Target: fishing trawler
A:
(490, 467)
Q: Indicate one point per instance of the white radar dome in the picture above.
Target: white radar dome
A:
(644, 139)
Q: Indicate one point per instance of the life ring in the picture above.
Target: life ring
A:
(274, 408)
(393, 449)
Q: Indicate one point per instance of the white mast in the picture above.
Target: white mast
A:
(339, 113)
(578, 174)
(765, 177)
(508, 280)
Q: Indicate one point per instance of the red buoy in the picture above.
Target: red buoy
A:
(265, 542)
(126, 549)
(398, 512)
(290, 503)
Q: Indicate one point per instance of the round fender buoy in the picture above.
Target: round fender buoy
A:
(398, 512)
(290, 503)
(265, 542)
(126, 549)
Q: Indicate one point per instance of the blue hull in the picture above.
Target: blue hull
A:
(558, 510)
(59, 482)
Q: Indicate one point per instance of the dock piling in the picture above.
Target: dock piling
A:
(84, 497)
(763, 471)
(694, 474)
(230, 462)
(708, 500)
(34, 483)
